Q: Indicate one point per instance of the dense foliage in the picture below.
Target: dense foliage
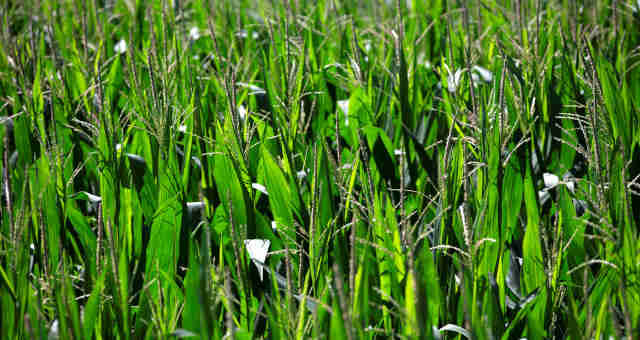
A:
(319, 168)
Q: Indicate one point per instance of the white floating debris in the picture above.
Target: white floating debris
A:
(344, 106)
(453, 79)
(252, 88)
(194, 33)
(367, 46)
(274, 226)
(93, 198)
(485, 74)
(543, 196)
(476, 79)
(571, 185)
(550, 180)
(398, 152)
(243, 34)
(54, 332)
(302, 174)
(257, 249)
(182, 128)
(121, 47)
(569, 181)
(259, 187)
(118, 147)
(242, 112)
(195, 205)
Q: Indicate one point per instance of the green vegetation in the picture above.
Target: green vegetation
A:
(414, 169)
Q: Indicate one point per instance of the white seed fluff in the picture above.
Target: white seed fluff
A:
(121, 47)
(259, 187)
(257, 249)
(194, 33)
(550, 180)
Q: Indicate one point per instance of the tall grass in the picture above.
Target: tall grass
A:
(319, 169)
